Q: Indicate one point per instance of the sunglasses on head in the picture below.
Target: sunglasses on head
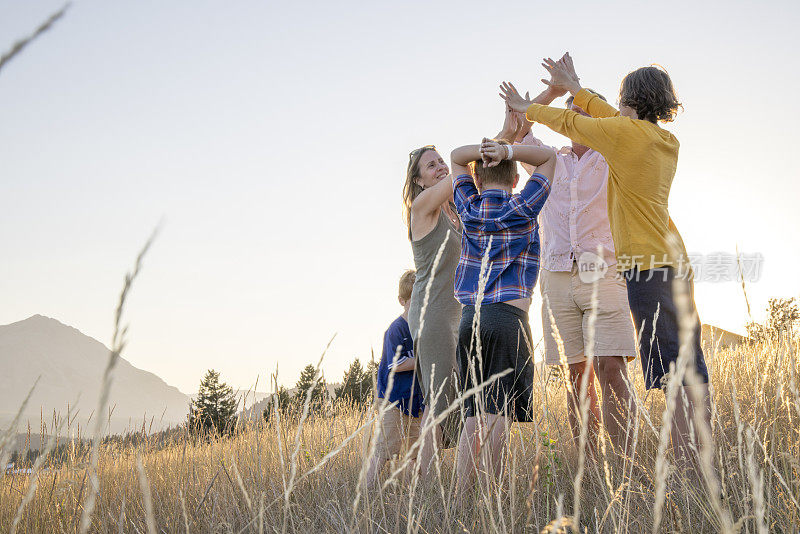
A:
(420, 149)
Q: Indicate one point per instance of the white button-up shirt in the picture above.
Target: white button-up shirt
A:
(574, 218)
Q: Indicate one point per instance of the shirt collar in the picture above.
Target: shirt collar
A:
(567, 151)
(495, 193)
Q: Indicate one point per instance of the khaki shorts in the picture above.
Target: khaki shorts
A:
(396, 432)
(569, 299)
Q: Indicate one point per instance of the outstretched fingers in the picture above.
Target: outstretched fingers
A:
(569, 65)
(512, 97)
(507, 90)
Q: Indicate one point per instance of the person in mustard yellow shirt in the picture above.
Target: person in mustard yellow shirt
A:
(642, 158)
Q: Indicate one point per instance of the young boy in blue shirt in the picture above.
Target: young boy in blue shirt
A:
(501, 226)
(401, 423)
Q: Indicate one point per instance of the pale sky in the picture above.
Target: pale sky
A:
(272, 138)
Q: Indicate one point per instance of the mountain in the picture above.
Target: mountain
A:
(70, 366)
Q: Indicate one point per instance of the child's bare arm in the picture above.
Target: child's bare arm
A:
(543, 158)
(406, 365)
(461, 157)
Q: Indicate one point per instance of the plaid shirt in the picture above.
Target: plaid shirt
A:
(510, 220)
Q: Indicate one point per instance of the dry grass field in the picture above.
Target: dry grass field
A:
(284, 476)
(302, 474)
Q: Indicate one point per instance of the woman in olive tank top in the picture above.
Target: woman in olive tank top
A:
(435, 234)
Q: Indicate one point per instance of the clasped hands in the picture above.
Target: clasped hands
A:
(492, 152)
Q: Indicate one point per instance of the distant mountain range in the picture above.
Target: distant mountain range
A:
(70, 366)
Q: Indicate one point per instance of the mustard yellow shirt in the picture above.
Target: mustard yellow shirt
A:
(641, 159)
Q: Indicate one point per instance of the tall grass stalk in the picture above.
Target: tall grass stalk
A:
(584, 403)
(190, 490)
(20, 45)
(117, 346)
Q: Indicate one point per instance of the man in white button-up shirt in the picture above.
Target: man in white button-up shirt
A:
(574, 227)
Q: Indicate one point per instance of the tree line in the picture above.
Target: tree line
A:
(214, 412)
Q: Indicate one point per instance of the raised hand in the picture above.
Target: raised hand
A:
(566, 60)
(557, 91)
(523, 126)
(511, 124)
(513, 99)
(562, 74)
(492, 152)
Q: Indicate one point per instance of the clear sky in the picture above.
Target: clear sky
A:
(272, 137)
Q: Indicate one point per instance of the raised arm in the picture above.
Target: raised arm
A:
(599, 134)
(543, 158)
(461, 157)
(431, 199)
(529, 201)
(515, 125)
(564, 77)
(594, 105)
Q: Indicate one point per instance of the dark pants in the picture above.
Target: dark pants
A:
(505, 343)
(649, 291)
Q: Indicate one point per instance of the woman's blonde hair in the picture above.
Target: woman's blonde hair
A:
(411, 188)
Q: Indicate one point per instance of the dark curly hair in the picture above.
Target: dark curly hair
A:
(649, 91)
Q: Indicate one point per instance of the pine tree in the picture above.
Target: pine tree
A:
(281, 399)
(214, 410)
(309, 381)
(356, 384)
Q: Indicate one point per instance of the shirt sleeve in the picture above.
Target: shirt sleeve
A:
(598, 134)
(464, 191)
(530, 200)
(391, 341)
(594, 105)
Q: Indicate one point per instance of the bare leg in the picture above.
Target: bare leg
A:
(431, 442)
(683, 421)
(576, 372)
(466, 465)
(497, 427)
(377, 462)
(470, 454)
(388, 435)
(612, 373)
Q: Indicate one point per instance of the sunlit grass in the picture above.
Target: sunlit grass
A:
(240, 482)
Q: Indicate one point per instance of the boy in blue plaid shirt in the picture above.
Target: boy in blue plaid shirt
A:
(501, 227)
